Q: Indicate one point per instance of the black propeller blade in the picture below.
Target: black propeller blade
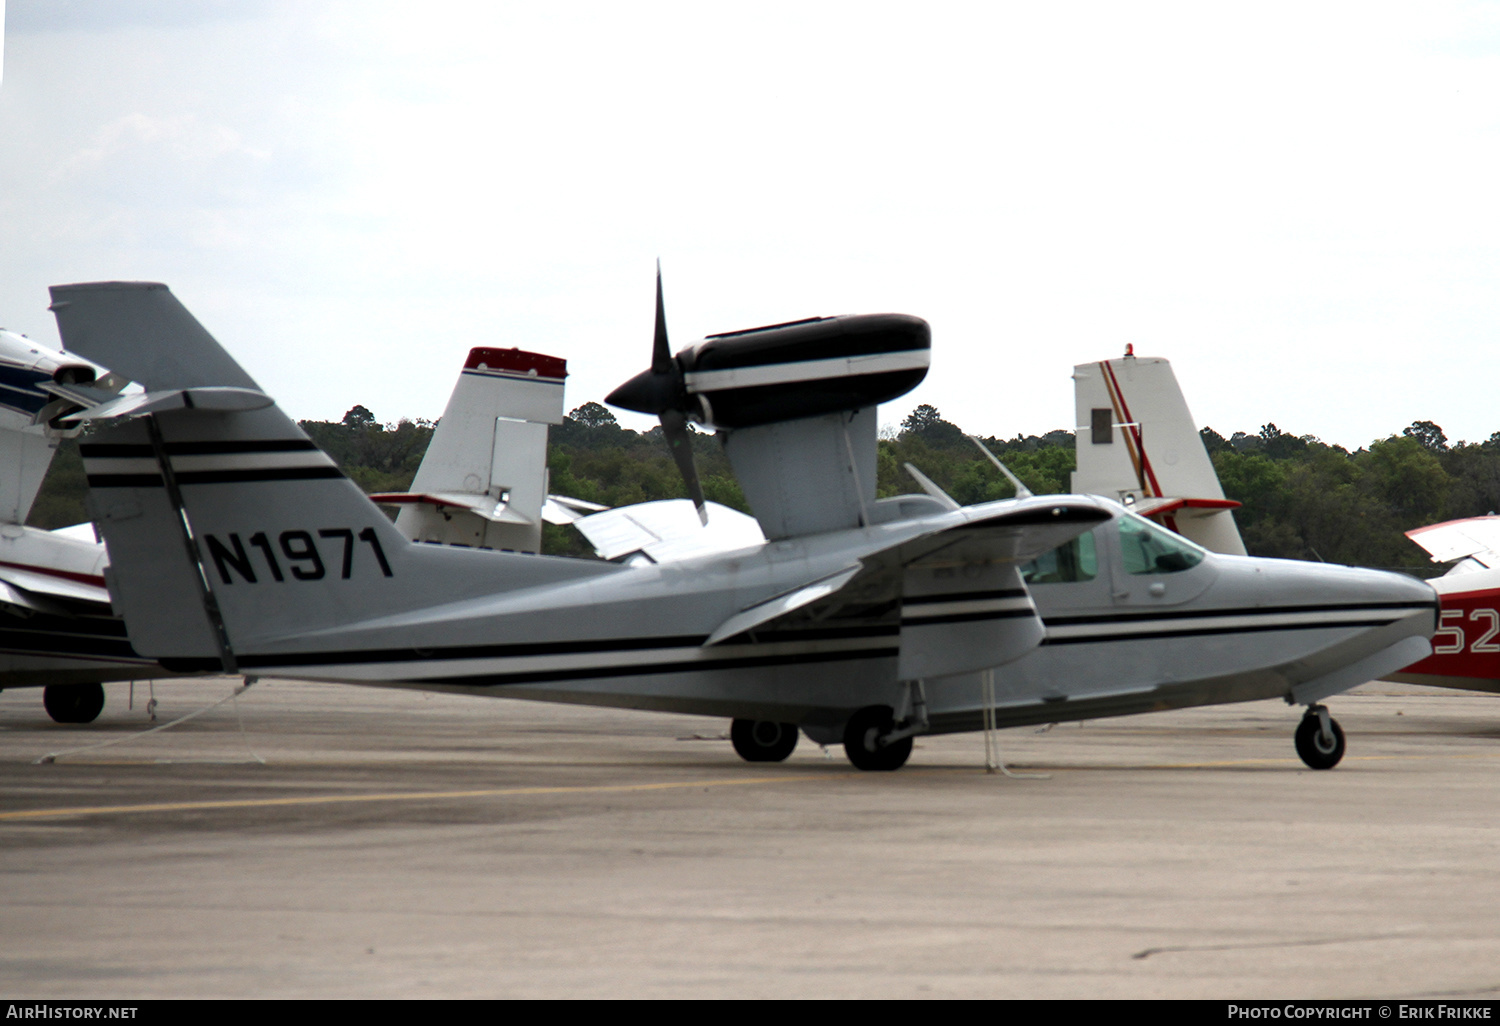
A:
(663, 392)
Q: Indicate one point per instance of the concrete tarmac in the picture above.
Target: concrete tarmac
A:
(395, 844)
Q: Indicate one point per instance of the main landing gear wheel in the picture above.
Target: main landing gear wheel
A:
(862, 740)
(73, 703)
(763, 740)
(1318, 749)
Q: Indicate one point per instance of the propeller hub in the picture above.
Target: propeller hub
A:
(651, 391)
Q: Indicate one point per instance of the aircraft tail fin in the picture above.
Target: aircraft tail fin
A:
(25, 455)
(483, 481)
(1138, 444)
(229, 531)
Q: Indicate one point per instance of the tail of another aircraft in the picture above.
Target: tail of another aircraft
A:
(483, 481)
(1138, 444)
(31, 378)
(229, 532)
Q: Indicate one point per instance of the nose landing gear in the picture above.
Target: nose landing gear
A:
(1319, 739)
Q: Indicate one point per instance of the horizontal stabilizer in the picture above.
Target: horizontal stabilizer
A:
(139, 330)
(486, 507)
(139, 404)
(1182, 507)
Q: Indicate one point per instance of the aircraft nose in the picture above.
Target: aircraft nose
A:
(1412, 602)
(1358, 624)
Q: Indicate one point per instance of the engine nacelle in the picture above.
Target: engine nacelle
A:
(805, 368)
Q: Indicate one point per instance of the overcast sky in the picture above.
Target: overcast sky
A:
(1298, 204)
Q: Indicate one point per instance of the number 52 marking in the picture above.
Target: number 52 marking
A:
(1455, 632)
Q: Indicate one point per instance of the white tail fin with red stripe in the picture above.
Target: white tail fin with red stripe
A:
(1138, 444)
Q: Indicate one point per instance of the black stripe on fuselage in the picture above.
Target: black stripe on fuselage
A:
(651, 669)
(1200, 614)
(602, 647)
(963, 596)
(1187, 616)
(44, 634)
(993, 614)
(1201, 632)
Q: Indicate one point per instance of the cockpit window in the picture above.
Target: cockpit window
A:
(1149, 549)
(1075, 561)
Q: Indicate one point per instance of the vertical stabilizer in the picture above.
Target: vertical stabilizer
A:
(483, 481)
(25, 455)
(1138, 444)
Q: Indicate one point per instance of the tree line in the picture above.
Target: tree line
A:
(1303, 498)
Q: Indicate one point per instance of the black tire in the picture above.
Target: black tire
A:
(859, 740)
(763, 740)
(73, 703)
(1313, 749)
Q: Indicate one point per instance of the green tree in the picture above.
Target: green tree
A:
(1428, 434)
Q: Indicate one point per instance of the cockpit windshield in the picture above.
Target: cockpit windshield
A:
(1147, 548)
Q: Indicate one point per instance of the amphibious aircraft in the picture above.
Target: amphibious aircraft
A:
(238, 547)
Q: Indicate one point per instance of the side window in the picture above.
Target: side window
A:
(1146, 548)
(1075, 561)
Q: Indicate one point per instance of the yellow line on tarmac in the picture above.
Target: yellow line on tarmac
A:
(400, 796)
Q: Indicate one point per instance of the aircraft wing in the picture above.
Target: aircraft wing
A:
(39, 590)
(562, 509)
(952, 581)
(667, 530)
(1477, 537)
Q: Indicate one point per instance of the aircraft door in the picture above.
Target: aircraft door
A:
(1153, 567)
(1073, 578)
